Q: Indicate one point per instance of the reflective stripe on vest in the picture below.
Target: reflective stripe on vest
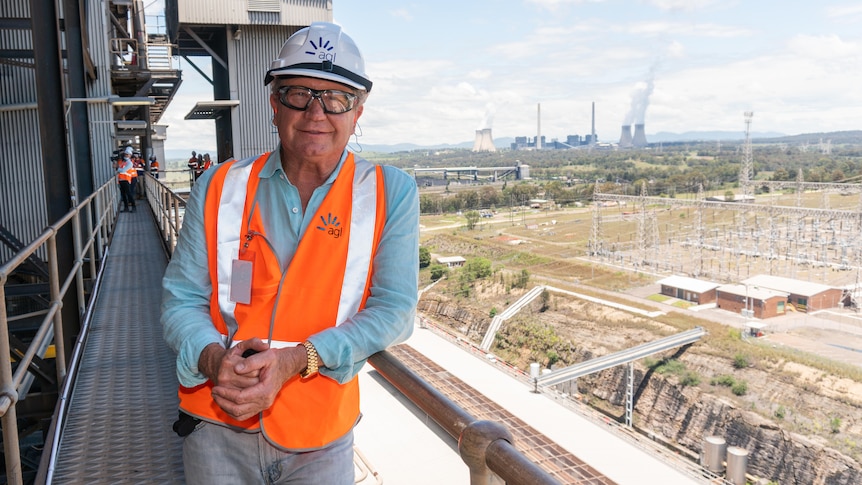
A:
(326, 282)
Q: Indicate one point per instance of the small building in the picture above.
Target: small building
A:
(804, 296)
(689, 289)
(751, 301)
(451, 261)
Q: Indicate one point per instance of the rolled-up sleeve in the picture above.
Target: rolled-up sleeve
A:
(390, 310)
(186, 291)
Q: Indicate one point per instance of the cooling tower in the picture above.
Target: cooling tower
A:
(484, 142)
(626, 137)
(639, 139)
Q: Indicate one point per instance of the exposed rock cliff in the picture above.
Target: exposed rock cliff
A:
(800, 425)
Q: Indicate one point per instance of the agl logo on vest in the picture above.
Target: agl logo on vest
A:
(331, 225)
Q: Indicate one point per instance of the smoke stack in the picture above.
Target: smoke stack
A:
(484, 142)
(539, 126)
(626, 137)
(593, 130)
(639, 139)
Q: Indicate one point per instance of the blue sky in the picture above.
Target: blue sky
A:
(443, 69)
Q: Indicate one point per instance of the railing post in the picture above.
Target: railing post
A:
(473, 445)
(56, 298)
(8, 398)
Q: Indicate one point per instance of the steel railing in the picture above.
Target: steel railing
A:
(92, 222)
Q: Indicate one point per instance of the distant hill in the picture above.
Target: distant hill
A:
(836, 137)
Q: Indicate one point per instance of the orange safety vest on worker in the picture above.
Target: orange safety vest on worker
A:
(125, 174)
(327, 281)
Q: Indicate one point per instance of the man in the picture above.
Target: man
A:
(194, 165)
(138, 180)
(154, 167)
(125, 172)
(292, 268)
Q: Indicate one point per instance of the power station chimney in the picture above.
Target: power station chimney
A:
(484, 142)
(593, 130)
(639, 139)
(626, 137)
(539, 126)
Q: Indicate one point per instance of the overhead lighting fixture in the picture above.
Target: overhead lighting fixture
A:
(131, 101)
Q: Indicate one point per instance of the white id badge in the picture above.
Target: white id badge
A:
(240, 281)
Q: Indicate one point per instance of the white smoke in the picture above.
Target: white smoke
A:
(640, 99)
(488, 119)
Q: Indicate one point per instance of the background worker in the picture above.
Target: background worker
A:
(125, 169)
(138, 180)
(154, 167)
(262, 265)
(194, 165)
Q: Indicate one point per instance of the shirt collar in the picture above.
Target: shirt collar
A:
(273, 166)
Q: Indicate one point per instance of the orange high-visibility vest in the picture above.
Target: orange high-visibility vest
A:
(126, 175)
(327, 281)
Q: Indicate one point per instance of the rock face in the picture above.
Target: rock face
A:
(780, 395)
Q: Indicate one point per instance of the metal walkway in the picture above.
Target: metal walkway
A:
(124, 401)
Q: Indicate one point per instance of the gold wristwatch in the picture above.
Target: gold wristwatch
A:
(313, 360)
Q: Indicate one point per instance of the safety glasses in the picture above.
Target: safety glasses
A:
(332, 101)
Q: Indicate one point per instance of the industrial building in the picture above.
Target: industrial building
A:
(751, 301)
(689, 289)
(803, 296)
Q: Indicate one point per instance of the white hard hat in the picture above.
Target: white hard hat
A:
(321, 50)
(129, 150)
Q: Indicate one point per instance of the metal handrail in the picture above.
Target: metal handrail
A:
(168, 208)
(485, 446)
(94, 219)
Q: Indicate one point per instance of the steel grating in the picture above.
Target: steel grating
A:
(559, 463)
(118, 427)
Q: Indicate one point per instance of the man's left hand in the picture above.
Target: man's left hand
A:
(273, 368)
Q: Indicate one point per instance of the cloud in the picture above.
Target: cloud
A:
(845, 14)
(683, 5)
(402, 13)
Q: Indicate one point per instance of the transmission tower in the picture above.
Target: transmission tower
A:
(699, 232)
(596, 230)
(642, 225)
(747, 170)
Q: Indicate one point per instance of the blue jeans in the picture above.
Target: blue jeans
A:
(215, 454)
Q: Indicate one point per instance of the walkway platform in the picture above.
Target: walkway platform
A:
(124, 401)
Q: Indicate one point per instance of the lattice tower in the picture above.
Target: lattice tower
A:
(642, 224)
(596, 242)
(700, 229)
(800, 187)
(747, 160)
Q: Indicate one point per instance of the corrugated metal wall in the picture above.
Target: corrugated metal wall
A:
(252, 122)
(21, 177)
(23, 207)
(250, 12)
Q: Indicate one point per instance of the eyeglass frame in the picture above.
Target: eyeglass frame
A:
(317, 94)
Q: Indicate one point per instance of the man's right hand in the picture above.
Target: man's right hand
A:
(219, 364)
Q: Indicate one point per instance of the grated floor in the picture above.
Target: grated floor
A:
(120, 413)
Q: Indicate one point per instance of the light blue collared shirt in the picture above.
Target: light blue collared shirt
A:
(389, 312)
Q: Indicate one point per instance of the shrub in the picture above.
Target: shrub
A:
(835, 424)
(740, 361)
(780, 413)
(723, 380)
(739, 388)
(690, 379)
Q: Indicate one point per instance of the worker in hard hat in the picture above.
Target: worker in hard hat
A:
(154, 167)
(125, 171)
(292, 268)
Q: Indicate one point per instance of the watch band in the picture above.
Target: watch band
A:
(313, 360)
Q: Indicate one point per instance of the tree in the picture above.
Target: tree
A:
(424, 257)
(472, 219)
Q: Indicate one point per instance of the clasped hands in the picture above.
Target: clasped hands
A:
(244, 387)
